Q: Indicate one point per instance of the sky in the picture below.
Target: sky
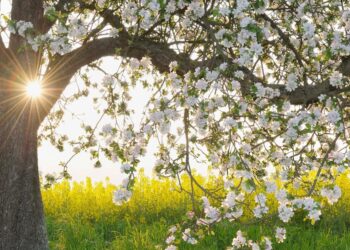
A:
(81, 166)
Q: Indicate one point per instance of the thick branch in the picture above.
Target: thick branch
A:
(61, 71)
(65, 67)
(29, 11)
(310, 94)
(302, 94)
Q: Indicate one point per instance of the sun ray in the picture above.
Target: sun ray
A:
(15, 122)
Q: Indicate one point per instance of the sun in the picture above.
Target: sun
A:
(34, 89)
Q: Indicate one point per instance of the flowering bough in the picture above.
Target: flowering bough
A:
(259, 94)
(256, 90)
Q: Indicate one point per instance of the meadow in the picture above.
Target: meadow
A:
(83, 216)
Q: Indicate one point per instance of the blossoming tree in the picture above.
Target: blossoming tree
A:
(257, 90)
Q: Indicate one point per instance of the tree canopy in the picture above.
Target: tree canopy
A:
(258, 91)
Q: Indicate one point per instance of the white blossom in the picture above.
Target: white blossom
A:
(309, 29)
(171, 247)
(336, 79)
(332, 195)
(236, 85)
(280, 234)
(285, 213)
(211, 75)
(292, 82)
(268, 243)
(196, 8)
(134, 63)
(201, 84)
(170, 239)
(23, 27)
(333, 116)
(230, 200)
(314, 214)
(186, 236)
(107, 128)
(173, 229)
(125, 167)
(101, 3)
(239, 241)
(121, 195)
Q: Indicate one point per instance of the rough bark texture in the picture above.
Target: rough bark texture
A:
(22, 223)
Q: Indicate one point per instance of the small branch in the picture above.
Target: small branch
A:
(285, 39)
(331, 147)
(187, 157)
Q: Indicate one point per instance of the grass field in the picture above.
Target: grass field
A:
(83, 216)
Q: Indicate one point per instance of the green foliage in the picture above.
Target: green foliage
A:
(83, 216)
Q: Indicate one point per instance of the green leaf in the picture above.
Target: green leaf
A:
(162, 4)
(51, 14)
(259, 4)
(255, 29)
(327, 55)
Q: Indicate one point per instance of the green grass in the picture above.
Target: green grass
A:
(109, 234)
(81, 216)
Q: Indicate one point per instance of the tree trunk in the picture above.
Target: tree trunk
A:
(22, 224)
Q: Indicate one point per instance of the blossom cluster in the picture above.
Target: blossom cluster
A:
(253, 92)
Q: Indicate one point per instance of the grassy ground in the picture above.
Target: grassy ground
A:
(121, 235)
(82, 216)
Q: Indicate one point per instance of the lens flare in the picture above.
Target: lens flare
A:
(34, 89)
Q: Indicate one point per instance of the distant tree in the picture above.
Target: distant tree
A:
(241, 86)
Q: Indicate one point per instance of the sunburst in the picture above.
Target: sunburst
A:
(34, 89)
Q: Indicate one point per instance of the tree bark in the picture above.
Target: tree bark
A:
(22, 224)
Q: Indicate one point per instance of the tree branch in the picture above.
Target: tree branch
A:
(302, 95)
(61, 71)
(285, 39)
(64, 67)
(29, 11)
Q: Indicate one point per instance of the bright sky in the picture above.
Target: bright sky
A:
(81, 166)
